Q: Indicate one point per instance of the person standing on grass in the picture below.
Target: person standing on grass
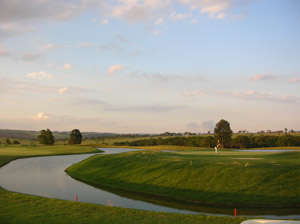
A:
(216, 149)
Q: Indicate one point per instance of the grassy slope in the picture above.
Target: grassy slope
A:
(8, 153)
(19, 208)
(229, 177)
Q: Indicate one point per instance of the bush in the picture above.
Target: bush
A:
(16, 142)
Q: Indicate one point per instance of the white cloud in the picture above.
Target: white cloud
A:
(135, 53)
(204, 127)
(295, 80)
(219, 9)
(46, 47)
(159, 77)
(176, 16)
(19, 10)
(146, 108)
(208, 125)
(122, 39)
(40, 116)
(40, 75)
(137, 11)
(62, 90)
(259, 77)
(16, 87)
(8, 27)
(30, 56)
(4, 53)
(193, 127)
(238, 16)
(13, 29)
(19, 16)
(104, 21)
(215, 7)
(159, 21)
(156, 32)
(221, 15)
(194, 21)
(114, 68)
(26, 57)
(67, 66)
(249, 95)
(85, 44)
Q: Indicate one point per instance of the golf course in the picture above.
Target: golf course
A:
(253, 179)
(22, 208)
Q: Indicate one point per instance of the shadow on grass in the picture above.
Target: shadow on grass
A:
(199, 206)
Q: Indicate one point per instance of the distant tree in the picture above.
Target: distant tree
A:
(160, 141)
(223, 133)
(286, 140)
(7, 141)
(242, 141)
(208, 142)
(46, 137)
(16, 142)
(75, 137)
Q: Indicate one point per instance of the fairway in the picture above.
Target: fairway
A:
(227, 178)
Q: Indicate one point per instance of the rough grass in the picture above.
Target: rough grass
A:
(240, 178)
(16, 208)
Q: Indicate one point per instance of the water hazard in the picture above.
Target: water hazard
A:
(45, 176)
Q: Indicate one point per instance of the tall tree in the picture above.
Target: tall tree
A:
(223, 133)
(75, 137)
(46, 137)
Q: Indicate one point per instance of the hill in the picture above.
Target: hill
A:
(32, 135)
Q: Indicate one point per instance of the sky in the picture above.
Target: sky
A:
(149, 66)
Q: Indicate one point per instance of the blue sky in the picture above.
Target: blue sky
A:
(149, 66)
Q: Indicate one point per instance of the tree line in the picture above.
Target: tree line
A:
(241, 141)
(46, 137)
(222, 138)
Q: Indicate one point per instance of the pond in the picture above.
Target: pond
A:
(45, 176)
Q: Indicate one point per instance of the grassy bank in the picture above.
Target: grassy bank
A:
(20, 208)
(240, 178)
(9, 153)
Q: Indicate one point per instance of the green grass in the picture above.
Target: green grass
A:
(172, 147)
(11, 152)
(240, 178)
(20, 208)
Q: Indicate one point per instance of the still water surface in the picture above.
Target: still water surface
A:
(45, 176)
